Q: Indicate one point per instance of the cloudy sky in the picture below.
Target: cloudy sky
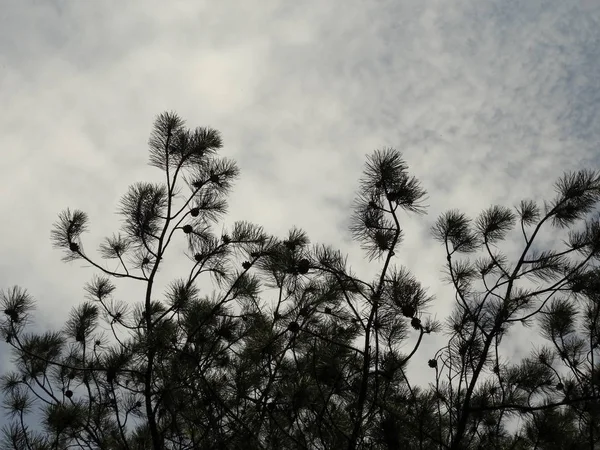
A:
(489, 101)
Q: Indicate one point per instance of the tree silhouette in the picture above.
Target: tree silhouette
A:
(292, 349)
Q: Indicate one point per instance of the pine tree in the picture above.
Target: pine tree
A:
(554, 391)
(292, 349)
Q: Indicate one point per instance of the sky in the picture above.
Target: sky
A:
(489, 102)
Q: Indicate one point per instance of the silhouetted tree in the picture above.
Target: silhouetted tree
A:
(292, 349)
(477, 389)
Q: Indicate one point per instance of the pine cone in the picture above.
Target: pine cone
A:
(303, 266)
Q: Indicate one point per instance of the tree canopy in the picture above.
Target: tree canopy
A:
(323, 364)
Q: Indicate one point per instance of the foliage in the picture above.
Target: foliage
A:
(323, 365)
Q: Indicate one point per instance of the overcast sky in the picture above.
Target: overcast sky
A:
(489, 101)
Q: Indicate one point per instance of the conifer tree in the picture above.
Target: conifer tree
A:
(478, 388)
(294, 350)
